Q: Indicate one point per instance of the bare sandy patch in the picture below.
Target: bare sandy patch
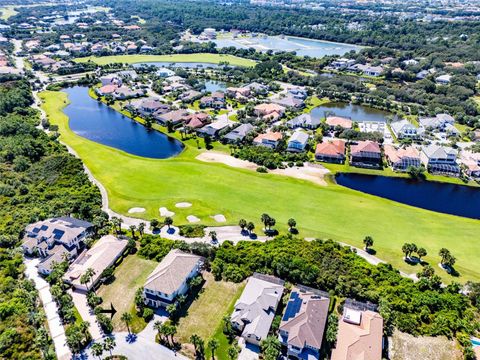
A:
(219, 218)
(408, 347)
(182, 205)
(311, 172)
(192, 219)
(165, 212)
(136, 210)
(211, 156)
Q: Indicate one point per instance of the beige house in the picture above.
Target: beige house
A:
(102, 255)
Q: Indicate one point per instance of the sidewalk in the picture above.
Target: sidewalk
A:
(57, 332)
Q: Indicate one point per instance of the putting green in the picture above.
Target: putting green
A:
(201, 58)
(328, 212)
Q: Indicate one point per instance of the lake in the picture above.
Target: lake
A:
(302, 46)
(186, 65)
(446, 198)
(97, 122)
(355, 112)
(212, 86)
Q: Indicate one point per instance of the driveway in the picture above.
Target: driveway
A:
(80, 301)
(57, 332)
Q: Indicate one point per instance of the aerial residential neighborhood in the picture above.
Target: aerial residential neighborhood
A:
(251, 180)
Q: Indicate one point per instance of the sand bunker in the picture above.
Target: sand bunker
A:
(165, 212)
(182, 205)
(192, 219)
(311, 172)
(219, 218)
(209, 156)
(136, 210)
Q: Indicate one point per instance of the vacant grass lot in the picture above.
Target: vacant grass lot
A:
(329, 212)
(206, 313)
(201, 57)
(6, 12)
(129, 276)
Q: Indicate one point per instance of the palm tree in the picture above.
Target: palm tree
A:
(250, 227)
(213, 235)
(168, 221)
(141, 228)
(170, 330)
(291, 224)
(97, 350)
(213, 345)
(265, 218)
(443, 253)
(406, 249)
(232, 353)
(243, 224)
(132, 229)
(157, 325)
(368, 241)
(109, 344)
(116, 224)
(181, 299)
(195, 340)
(127, 318)
(171, 309)
(421, 252)
(271, 222)
(87, 277)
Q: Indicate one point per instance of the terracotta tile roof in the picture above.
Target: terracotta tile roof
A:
(269, 108)
(394, 154)
(365, 146)
(331, 148)
(360, 342)
(108, 89)
(339, 121)
(271, 136)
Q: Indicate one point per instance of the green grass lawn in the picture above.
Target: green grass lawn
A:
(6, 12)
(129, 276)
(206, 313)
(328, 212)
(201, 57)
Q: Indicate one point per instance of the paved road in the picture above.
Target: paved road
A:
(57, 332)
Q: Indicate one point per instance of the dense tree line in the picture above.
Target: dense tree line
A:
(38, 179)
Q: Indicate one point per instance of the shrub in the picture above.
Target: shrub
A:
(147, 314)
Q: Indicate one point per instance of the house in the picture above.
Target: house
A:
(256, 88)
(190, 95)
(297, 92)
(111, 79)
(332, 151)
(410, 62)
(342, 63)
(213, 129)
(164, 72)
(424, 73)
(197, 120)
(471, 164)
(298, 141)
(440, 159)
(216, 100)
(360, 333)
(438, 122)
(106, 90)
(303, 323)
(124, 92)
(175, 117)
(443, 79)
(54, 239)
(99, 257)
(239, 133)
(270, 139)
(334, 121)
(290, 101)
(269, 111)
(255, 309)
(404, 129)
(170, 278)
(151, 105)
(365, 154)
(401, 159)
(367, 70)
(305, 121)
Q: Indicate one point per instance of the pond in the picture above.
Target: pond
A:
(185, 65)
(212, 86)
(97, 122)
(302, 46)
(446, 198)
(355, 112)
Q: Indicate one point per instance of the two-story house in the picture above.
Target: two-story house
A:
(404, 129)
(297, 142)
(170, 278)
(365, 154)
(440, 159)
(303, 323)
(269, 139)
(401, 159)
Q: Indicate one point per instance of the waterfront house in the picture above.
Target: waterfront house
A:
(255, 309)
(269, 111)
(332, 151)
(175, 117)
(360, 333)
(170, 278)
(190, 95)
(55, 239)
(404, 129)
(216, 126)
(269, 139)
(305, 121)
(111, 79)
(401, 159)
(290, 101)
(124, 92)
(365, 154)
(342, 63)
(440, 159)
(470, 162)
(197, 120)
(303, 323)
(334, 121)
(239, 133)
(99, 257)
(297, 142)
